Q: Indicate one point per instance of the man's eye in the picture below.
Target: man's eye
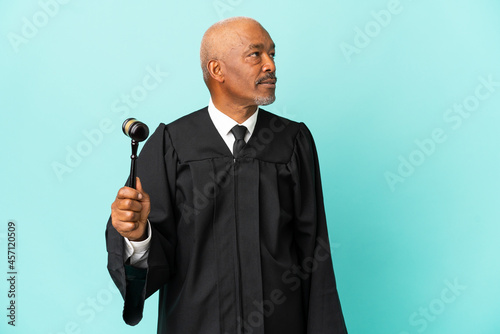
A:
(255, 54)
(273, 55)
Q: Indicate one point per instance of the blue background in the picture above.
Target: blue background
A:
(411, 185)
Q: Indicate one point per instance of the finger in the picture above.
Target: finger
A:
(139, 188)
(125, 227)
(127, 216)
(127, 192)
(128, 204)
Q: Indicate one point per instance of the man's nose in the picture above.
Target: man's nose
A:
(269, 65)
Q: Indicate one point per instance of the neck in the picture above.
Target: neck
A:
(237, 112)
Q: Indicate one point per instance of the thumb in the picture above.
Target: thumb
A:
(138, 187)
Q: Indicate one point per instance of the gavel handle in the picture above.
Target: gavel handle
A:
(133, 157)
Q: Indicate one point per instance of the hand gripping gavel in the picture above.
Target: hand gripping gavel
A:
(138, 131)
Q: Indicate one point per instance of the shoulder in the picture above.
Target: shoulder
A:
(163, 131)
(182, 127)
(287, 128)
(194, 119)
(276, 138)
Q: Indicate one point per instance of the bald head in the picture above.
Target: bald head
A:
(237, 59)
(219, 39)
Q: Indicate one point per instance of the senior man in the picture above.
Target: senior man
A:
(227, 220)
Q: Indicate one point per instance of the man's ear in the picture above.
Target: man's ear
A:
(215, 69)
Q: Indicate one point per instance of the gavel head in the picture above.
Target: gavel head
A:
(134, 129)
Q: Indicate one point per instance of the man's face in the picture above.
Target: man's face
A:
(248, 66)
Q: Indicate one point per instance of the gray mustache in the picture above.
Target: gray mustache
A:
(267, 77)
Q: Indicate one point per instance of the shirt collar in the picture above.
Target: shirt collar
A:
(224, 123)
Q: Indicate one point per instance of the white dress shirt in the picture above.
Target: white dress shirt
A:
(137, 251)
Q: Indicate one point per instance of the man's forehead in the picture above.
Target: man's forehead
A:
(245, 45)
(254, 38)
(261, 46)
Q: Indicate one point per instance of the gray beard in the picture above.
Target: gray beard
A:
(264, 101)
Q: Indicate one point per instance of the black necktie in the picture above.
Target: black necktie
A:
(239, 132)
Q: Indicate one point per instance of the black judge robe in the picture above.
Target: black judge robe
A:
(238, 245)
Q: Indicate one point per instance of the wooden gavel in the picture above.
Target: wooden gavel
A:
(138, 131)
